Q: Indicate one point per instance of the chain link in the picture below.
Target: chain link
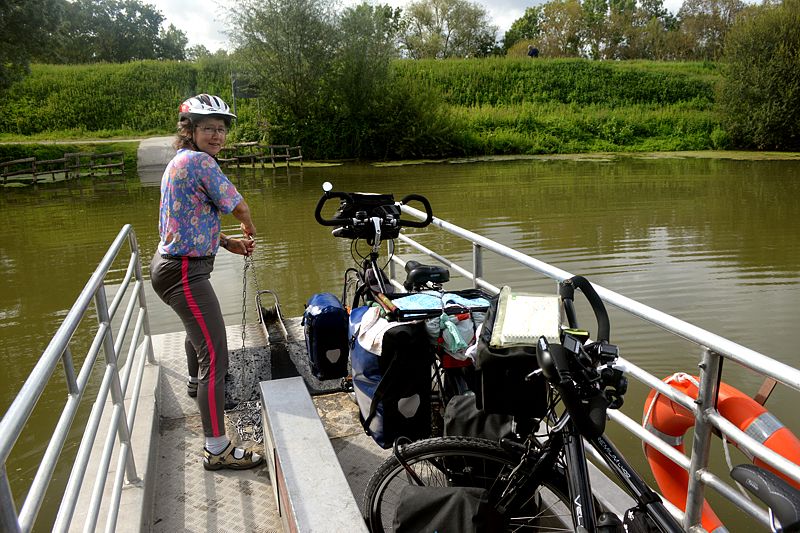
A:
(249, 264)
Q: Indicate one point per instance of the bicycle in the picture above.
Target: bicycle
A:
(539, 477)
(375, 218)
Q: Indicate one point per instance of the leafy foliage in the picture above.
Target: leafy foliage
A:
(760, 92)
(447, 28)
(497, 81)
(23, 25)
(92, 31)
(527, 28)
(141, 96)
(285, 50)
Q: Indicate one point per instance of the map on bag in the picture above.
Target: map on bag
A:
(523, 318)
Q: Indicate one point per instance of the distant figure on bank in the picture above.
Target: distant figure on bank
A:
(533, 51)
(194, 193)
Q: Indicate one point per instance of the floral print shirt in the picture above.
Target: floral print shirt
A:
(194, 192)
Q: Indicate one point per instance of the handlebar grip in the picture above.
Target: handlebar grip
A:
(600, 313)
(318, 211)
(428, 211)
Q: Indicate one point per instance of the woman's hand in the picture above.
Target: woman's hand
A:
(241, 246)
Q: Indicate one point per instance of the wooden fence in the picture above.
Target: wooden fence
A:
(72, 165)
(254, 153)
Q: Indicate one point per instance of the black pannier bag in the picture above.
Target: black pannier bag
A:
(462, 418)
(503, 388)
(393, 389)
(325, 327)
(445, 510)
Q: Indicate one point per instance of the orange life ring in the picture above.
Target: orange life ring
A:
(670, 421)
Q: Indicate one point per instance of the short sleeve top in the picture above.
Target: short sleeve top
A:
(194, 192)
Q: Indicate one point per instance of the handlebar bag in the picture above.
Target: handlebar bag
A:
(445, 509)
(371, 203)
(502, 373)
(391, 364)
(325, 328)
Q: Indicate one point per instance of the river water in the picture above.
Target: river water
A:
(714, 241)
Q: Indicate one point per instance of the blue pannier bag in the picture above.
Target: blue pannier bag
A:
(325, 328)
(392, 389)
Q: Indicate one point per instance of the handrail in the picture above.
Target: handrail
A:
(714, 349)
(18, 414)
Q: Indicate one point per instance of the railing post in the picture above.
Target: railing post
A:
(142, 302)
(116, 389)
(706, 401)
(477, 264)
(8, 511)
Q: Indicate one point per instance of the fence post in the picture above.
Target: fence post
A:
(706, 401)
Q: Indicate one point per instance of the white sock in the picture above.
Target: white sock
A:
(193, 379)
(216, 445)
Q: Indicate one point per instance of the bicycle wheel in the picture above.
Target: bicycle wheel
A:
(465, 462)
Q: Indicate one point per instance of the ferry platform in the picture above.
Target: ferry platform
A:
(189, 498)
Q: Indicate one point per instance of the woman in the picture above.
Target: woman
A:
(194, 193)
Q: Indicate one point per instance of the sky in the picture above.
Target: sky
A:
(203, 21)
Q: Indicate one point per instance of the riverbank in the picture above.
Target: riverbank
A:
(453, 108)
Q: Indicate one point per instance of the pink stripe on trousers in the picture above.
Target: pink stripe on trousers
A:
(195, 309)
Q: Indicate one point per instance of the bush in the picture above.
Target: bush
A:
(141, 96)
(760, 93)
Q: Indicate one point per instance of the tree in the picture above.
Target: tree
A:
(563, 28)
(366, 45)
(526, 28)
(286, 48)
(706, 23)
(361, 77)
(25, 26)
(760, 92)
(198, 51)
(113, 31)
(171, 44)
(447, 28)
(595, 26)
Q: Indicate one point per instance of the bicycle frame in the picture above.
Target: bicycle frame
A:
(567, 437)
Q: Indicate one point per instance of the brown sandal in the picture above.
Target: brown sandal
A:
(228, 459)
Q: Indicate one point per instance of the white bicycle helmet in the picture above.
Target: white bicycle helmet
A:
(205, 104)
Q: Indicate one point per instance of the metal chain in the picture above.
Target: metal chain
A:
(248, 262)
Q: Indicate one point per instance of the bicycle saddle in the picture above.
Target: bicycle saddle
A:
(782, 498)
(419, 274)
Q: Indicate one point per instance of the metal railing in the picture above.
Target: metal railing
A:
(115, 380)
(713, 349)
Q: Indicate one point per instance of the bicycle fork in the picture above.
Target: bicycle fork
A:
(580, 491)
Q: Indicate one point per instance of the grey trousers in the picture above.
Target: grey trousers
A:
(183, 284)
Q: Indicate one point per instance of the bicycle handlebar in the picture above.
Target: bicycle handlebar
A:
(358, 209)
(428, 211)
(567, 293)
(325, 197)
(582, 373)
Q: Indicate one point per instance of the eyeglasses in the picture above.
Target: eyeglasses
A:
(208, 130)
